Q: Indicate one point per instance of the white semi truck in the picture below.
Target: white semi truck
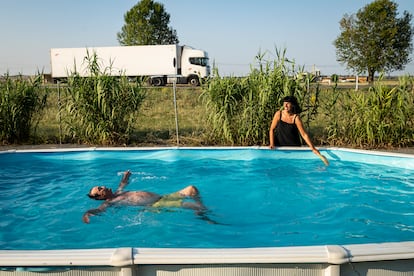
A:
(162, 64)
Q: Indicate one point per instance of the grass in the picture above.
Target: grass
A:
(156, 119)
(155, 122)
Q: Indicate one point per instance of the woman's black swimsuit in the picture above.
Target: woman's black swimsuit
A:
(287, 134)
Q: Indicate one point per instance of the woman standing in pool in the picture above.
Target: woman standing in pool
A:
(287, 125)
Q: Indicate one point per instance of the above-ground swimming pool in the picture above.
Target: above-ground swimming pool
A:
(255, 198)
(280, 212)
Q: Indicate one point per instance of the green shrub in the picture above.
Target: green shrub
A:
(240, 110)
(21, 103)
(101, 109)
(381, 116)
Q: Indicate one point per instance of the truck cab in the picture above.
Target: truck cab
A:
(194, 65)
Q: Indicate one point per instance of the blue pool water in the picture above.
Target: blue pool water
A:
(259, 197)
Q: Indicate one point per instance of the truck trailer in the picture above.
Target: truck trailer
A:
(162, 64)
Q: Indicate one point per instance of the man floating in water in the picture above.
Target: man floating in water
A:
(142, 198)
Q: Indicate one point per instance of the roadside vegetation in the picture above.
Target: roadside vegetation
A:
(378, 116)
(106, 110)
(239, 110)
(21, 107)
(103, 110)
(99, 109)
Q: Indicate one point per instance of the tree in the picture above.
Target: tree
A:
(375, 39)
(146, 23)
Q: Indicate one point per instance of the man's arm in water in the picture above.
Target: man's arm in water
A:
(94, 212)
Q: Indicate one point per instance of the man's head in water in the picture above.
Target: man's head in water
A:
(100, 193)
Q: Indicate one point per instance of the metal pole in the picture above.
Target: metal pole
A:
(60, 119)
(308, 101)
(175, 109)
(356, 82)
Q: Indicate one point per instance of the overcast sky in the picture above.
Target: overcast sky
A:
(231, 31)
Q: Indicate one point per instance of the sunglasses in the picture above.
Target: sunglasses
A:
(96, 196)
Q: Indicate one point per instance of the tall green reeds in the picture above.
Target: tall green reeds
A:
(21, 103)
(101, 109)
(382, 116)
(240, 110)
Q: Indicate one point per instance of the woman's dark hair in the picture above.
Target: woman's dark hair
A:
(295, 106)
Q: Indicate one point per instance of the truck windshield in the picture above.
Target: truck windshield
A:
(202, 61)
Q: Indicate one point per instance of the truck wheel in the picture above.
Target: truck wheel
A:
(157, 82)
(194, 81)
